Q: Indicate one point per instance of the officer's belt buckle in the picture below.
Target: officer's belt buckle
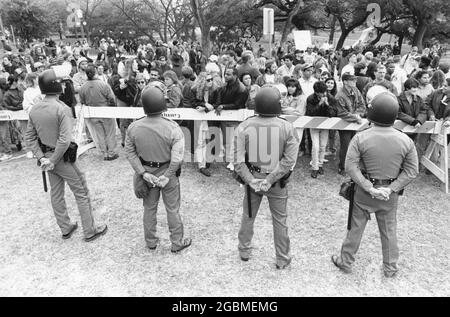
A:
(257, 169)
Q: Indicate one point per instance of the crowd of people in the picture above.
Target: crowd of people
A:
(313, 82)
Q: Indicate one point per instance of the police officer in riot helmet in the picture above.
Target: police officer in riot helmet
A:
(155, 149)
(49, 135)
(381, 160)
(265, 152)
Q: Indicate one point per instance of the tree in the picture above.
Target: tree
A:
(425, 14)
(28, 20)
(210, 13)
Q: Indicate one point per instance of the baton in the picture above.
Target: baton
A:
(44, 181)
(249, 201)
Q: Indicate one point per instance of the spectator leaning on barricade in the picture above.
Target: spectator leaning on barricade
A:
(350, 107)
(232, 96)
(95, 93)
(319, 104)
(438, 103)
(204, 92)
(412, 108)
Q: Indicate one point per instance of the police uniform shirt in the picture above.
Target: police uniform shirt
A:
(51, 121)
(155, 139)
(270, 144)
(382, 153)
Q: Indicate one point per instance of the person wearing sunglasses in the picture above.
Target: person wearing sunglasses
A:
(204, 92)
(140, 82)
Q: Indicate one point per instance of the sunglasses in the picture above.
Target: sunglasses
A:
(141, 82)
(209, 80)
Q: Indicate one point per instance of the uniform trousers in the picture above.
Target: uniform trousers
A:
(386, 215)
(70, 173)
(277, 198)
(103, 131)
(171, 198)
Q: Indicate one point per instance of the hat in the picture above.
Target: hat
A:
(80, 60)
(213, 58)
(306, 66)
(38, 64)
(348, 76)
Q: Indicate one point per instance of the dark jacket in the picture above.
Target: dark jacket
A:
(313, 108)
(436, 106)
(13, 99)
(232, 96)
(411, 113)
(126, 95)
(350, 102)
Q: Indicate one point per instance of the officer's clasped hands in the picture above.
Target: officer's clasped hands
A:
(156, 181)
(259, 185)
(46, 164)
(380, 193)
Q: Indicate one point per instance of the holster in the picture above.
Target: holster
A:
(140, 186)
(71, 153)
(285, 180)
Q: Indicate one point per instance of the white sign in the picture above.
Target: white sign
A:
(268, 21)
(302, 39)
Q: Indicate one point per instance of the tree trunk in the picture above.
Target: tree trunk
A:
(333, 29)
(377, 39)
(418, 36)
(340, 43)
(288, 23)
(206, 42)
(400, 42)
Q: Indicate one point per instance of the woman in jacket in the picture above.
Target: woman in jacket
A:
(319, 104)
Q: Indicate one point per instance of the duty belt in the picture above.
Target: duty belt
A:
(153, 164)
(381, 182)
(46, 148)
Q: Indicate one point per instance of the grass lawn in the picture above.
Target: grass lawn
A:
(37, 262)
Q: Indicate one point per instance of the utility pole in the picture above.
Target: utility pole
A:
(1, 24)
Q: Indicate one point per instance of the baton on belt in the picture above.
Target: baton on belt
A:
(249, 201)
(44, 181)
